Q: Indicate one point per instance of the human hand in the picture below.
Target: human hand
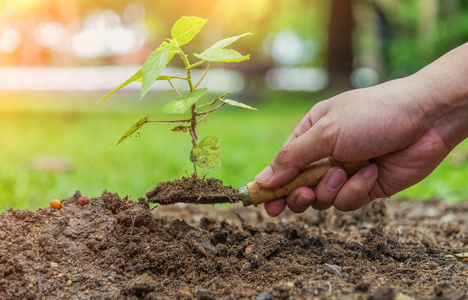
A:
(395, 125)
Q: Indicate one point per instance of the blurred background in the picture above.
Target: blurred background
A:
(57, 58)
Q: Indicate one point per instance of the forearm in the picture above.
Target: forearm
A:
(444, 85)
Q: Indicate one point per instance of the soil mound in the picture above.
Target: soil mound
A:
(193, 190)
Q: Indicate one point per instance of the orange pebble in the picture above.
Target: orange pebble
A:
(55, 204)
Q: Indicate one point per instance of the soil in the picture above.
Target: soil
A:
(114, 248)
(193, 190)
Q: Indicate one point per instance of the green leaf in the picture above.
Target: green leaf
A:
(226, 42)
(135, 77)
(153, 66)
(217, 52)
(165, 77)
(186, 28)
(222, 55)
(220, 98)
(207, 154)
(131, 130)
(182, 104)
(238, 104)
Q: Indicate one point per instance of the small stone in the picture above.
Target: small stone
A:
(3, 235)
(60, 275)
(54, 265)
(222, 250)
(401, 296)
(265, 296)
(333, 269)
(69, 282)
(448, 218)
(247, 267)
(99, 238)
(249, 249)
(290, 284)
(188, 294)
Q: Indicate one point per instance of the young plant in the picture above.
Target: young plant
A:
(206, 153)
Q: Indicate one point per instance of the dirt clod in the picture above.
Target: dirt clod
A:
(115, 248)
(193, 190)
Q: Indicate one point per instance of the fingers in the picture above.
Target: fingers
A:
(333, 190)
(355, 192)
(328, 188)
(300, 199)
(275, 207)
(296, 155)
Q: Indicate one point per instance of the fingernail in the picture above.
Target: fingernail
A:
(303, 200)
(336, 179)
(369, 171)
(265, 175)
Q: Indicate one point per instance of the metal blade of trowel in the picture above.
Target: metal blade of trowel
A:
(253, 194)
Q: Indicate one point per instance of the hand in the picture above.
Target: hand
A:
(396, 125)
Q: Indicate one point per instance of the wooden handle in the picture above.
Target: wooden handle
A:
(310, 176)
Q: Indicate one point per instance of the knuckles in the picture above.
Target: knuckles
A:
(283, 158)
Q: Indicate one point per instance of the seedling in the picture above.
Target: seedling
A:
(206, 153)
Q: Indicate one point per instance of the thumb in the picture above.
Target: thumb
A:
(294, 156)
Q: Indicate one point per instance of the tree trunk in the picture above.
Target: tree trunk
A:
(340, 45)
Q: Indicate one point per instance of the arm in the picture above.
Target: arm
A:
(406, 127)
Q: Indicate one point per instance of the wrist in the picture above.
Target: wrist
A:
(442, 95)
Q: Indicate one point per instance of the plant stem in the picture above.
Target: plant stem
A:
(206, 115)
(193, 125)
(166, 77)
(210, 110)
(206, 71)
(187, 66)
(175, 89)
(194, 143)
(169, 121)
(196, 64)
(193, 110)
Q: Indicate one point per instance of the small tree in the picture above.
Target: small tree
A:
(206, 153)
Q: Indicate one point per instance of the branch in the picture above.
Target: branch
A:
(169, 121)
(206, 115)
(166, 77)
(194, 138)
(175, 89)
(198, 121)
(210, 110)
(206, 71)
(196, 64)
(184, 58)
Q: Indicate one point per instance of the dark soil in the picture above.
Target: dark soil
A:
(193, 190)
(114, 248)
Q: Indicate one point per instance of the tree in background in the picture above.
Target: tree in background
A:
(340, 44)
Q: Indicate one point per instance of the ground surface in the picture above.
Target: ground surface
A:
(114, 248)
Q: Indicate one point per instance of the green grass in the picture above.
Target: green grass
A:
(71, 128)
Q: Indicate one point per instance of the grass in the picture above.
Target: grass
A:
(54, 144)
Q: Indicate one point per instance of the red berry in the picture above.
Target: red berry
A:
(83, 200)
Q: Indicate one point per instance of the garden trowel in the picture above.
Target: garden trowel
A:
(253, 194)
(311, 176)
